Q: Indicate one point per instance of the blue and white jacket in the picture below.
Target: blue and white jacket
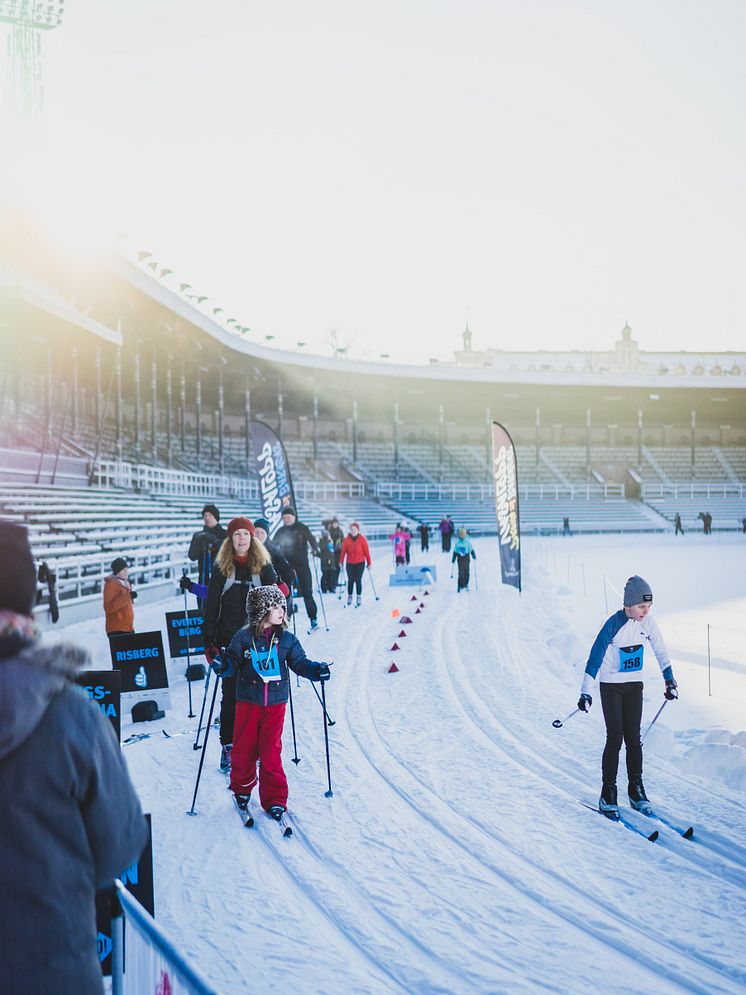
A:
(621, 650)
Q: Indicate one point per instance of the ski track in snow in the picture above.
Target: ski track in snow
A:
(454, 856)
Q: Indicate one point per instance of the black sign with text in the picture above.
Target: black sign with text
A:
(140, 658)
(138, 880)
(185, 636)
(104, 688)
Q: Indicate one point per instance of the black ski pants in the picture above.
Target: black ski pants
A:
(622, 708)
(463, 571)
(305, 586)
(355, 573)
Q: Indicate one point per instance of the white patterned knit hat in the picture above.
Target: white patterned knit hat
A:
(260, 600)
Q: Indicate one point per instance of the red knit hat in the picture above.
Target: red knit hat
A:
(240, 523)
(356, 525)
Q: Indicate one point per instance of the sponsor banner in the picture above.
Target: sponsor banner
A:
(138, 880)
(184, 630)
(273, 471)
(141, 661)
(505, 482)
(104, 688)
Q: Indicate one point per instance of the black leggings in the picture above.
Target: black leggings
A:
(355, 573)
(622, 707)
(305, 586)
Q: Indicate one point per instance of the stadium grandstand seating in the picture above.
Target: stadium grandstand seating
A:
(121, 416)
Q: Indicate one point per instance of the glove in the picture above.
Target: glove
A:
(211, 652)
(672, 691)
(185, 584)
(584, 702)
(219, 666)
(322, 673)
(133, 594)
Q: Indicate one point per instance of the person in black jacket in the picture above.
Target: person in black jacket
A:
(424, 531)
(242, 563)
(206, 543)
(293, 538)
(70, 820)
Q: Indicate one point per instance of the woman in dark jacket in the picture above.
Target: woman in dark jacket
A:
(241, 563)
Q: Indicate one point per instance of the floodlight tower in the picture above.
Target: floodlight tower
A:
(28, 18)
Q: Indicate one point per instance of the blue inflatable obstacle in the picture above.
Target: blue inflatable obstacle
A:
(411, 575)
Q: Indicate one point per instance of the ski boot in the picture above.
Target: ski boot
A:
(637, 797)
(607, 803)
(314, 624)
(349, 600)
(225, 758)
(243, 801)
(359, 600)
(276, 811)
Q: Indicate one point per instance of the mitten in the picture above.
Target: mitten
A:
(133, 594)
(672, 690)
(184, 583)
(322, 673)
(584, 702)
(211, 652)
(220, 667)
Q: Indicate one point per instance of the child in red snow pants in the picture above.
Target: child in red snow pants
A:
(257, 736)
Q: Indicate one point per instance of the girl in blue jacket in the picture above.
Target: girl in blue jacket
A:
(617, 658)
(463, 551)
(260, 654)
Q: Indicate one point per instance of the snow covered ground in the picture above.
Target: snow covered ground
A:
(455, 855)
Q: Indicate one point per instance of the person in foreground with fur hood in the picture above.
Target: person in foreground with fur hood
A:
(70, 820)
(260, 655)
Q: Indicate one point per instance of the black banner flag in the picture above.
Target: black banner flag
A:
(505, 481)
(273, 469)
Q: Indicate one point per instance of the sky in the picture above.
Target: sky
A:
(389, 170)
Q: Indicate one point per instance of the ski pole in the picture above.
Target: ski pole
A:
(558, 723)
(196, 745)
(321, 596)
(370, 578)
(295, 758)
(329, 720)
(655, 719)
(204, 751)
(329, 793)
(189, 652)
(476, 578)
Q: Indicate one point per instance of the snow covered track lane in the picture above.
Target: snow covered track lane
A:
(598, 922)
(454, 856)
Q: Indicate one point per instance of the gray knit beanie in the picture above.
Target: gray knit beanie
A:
(637, 591)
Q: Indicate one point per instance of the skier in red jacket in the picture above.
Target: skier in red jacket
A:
(355, 554)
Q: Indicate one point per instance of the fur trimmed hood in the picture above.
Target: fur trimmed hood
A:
(29, 681)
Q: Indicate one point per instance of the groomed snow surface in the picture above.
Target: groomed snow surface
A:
(455, 855)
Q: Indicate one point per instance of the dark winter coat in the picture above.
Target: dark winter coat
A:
(204, 547)
(250, 687)
(293, 542)
(283, 569)
(70, 822)
(225, 608)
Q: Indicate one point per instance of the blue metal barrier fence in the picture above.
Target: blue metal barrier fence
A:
(153, 963)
